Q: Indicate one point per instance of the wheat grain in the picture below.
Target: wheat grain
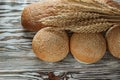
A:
(77, 15)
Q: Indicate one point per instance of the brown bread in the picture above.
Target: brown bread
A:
(113, 39)
(87, 48)
(34, 12)
(50, 45)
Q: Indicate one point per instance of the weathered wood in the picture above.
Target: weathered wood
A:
(18, 62)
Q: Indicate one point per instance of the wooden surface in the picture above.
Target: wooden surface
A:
(18, 62)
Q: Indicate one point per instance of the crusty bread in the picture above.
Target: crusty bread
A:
(87, 48)
(50, 45)
(35, 11)
(113, 40)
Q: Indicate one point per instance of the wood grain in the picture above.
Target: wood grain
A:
(18, 62)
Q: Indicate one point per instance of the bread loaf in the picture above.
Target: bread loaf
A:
(34, 12)
(87, 48)
(50, 45)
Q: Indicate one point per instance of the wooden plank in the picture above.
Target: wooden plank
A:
(18, 62)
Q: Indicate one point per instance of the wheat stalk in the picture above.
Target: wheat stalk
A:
(79, 16)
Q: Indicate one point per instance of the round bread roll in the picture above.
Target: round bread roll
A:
(113, 40)
(50, 45)
(87, 48)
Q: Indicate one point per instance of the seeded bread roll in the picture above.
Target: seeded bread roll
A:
(87, 48)
(113, 39)
(50, 45)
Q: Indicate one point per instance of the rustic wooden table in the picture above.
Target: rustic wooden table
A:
(17, 61)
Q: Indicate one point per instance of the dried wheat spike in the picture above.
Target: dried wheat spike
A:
(75, 15)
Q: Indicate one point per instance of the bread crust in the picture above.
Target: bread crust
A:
(113, 40)
(87, 48)
(50, 45)
(34, 12)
